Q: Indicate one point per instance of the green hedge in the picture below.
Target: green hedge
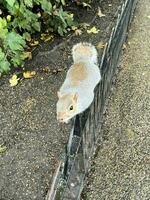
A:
(21, 18)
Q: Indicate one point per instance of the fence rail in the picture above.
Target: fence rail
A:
(68, 180)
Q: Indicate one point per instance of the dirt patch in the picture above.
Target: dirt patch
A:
(29, 129)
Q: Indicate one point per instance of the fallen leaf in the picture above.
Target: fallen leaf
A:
(14, 80)
(28, 54)
(29, 74)
(43, 36)
(46, 37)
(34, 43)
(78, 32)
(93, 30)
(100, 14)
(130, 133)
(2, 148)
(86, 5)
(85, 25)
(100, 45)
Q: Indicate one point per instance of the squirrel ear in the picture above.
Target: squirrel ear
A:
(75, 97)
(59, 94)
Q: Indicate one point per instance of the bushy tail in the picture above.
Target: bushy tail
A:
(84, 52)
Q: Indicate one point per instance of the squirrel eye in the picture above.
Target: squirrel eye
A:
(71, 107)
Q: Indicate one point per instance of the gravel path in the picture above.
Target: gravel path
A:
(28, 127)
(121, 168)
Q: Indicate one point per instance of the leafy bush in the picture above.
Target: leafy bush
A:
(21, 18)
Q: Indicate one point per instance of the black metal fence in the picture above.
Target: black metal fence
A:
(68, 180)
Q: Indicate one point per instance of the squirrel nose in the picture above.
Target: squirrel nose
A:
(60, 119)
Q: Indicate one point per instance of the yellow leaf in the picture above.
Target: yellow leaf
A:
(130, 133)
(28, 54)
(42, 36)
(86, 5)
(148, 16)
(100, 14)
(29, 74)
(39, 14)
(46, 37)
(2, 148)
(85, 25)
(14, 80)
(93, 30)
(35, 43)
(8, 18)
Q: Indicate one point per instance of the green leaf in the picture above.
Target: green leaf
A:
(26, 19)
(61, 15)
(60, 31)
(46, 6)
(37, 26)
(27, 36)
(4, 64)
(17, 59)
(28, 3)
(63, 2)
(10, 2)
(15, 41)
(2, 55)
(3, 23)
(70, 20)
(3, 28)
(24, 24)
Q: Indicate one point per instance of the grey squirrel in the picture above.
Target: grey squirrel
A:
(77, 92)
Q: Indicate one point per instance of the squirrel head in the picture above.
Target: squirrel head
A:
(66, 106)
